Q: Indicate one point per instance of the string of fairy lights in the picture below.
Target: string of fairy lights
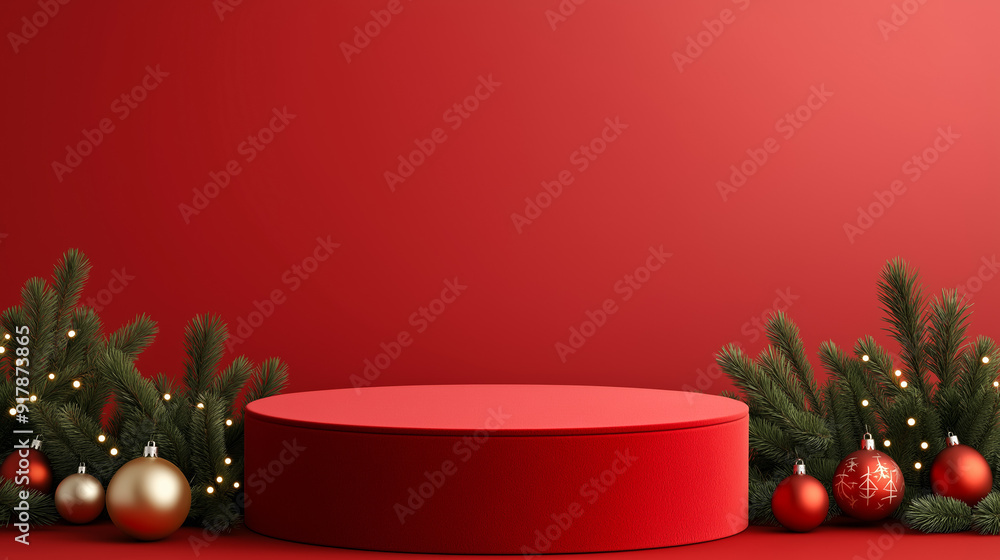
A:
(911, 422)
(101, 438)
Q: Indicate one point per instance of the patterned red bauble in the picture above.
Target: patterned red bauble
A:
(867, 484)
(800, 502)
(960, 472)
(28, 468)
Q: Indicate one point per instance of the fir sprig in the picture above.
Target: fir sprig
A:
(784, 335)
(197, 424)
(938, 514)
(986, 515)
(41, 506)
(791, 416)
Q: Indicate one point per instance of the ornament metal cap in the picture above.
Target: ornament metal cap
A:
(150, 449)
(82, 469)
(799, 467)
(867, 442)
(952, 439)
(36, 443)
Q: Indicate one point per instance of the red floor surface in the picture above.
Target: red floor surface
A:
(874, 542)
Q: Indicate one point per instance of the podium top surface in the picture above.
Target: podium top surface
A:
(500, 410)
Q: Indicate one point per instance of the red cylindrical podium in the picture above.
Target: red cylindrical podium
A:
(496, 469)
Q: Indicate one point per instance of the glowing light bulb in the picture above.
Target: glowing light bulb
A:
(218, 479)
(2, 349)
(6, 336)
(33, 398)
(201, 405)
(923, 445)
(210, 490)
(898, 372)
(903, 384)
(887, 443)
(229, 461)
(101, 438)
(229, 421)
(986, 359)
(911, 421)
(166, 396)
(114, 451)
(917, 465)
(13, 412)
(996, 383)
(52, 376)
(236, 485)
(865, 358)
(71, 333)
(76, 383)
(864, 402)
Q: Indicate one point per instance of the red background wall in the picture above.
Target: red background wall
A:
(656, 184)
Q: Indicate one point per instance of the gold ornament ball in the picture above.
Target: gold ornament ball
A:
(79, 498)
(148, 498)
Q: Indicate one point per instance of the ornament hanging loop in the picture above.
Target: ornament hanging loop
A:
(867, 442)
(799, 467)
(150, 449)
(82, 469)
(952, 440)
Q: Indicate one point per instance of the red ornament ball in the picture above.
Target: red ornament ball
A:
(960, 472)
(867, 484)
(28, 468)
(800, 502)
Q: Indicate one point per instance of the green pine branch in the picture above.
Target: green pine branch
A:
(856, 386)
(41, 506)
(770, 442)
(205, 432)
(133, 392)
(205, 341)
(81, 351)
(267, 380)
(844, 429)
(938, 514)
(975, 375)
(986, 515)
(884, 380)
(39, 305)
(759, 510)
(784, 335)
(805, 429)
(133, 338)
(949, 317)
(902, 301)
(69, 277)
(227, 386)
(791, 416)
